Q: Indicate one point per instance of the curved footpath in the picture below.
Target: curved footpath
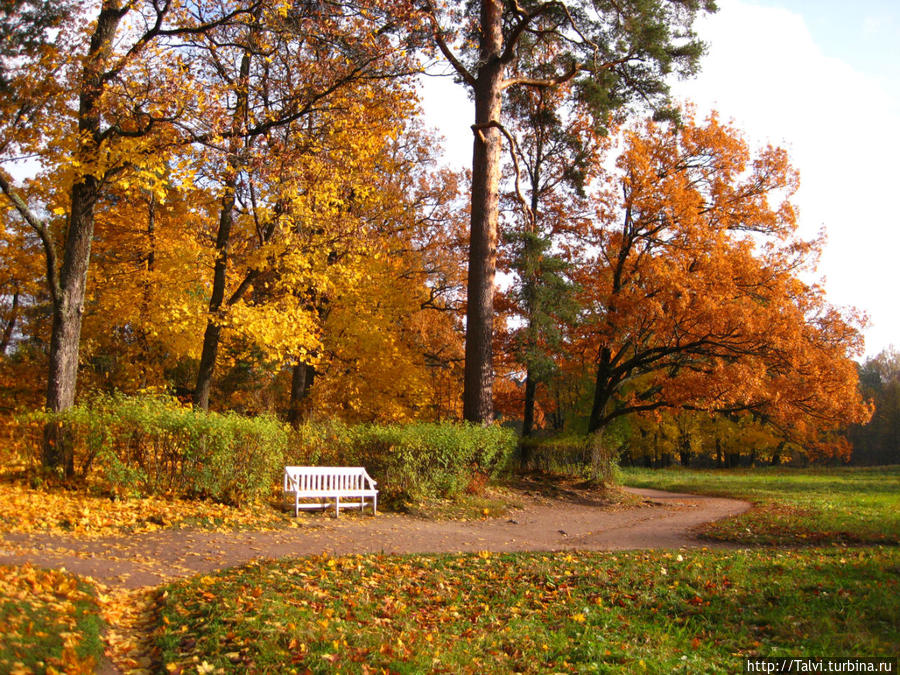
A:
(663, 520)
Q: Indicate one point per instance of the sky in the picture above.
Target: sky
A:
(820, 78)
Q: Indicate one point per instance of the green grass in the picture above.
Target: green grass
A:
(793, 507)
(696, 611)
(49, 622)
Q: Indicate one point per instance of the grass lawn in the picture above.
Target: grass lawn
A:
(857, 505)
(49, 622)
(646, 611)
(694, 611)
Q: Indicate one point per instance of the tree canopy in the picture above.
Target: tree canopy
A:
(237, 202)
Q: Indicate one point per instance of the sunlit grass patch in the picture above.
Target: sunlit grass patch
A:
(49, 622)
(489, 613)
(794, 506)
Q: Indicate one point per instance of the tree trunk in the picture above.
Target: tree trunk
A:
(302, 377)
(601, 391)
(68, 304)
(226, 220)
(147, 290)
(213, 324)
(478, 405)
(68, 311)
(528, 415)
(10, 324)
(776, 456)
(684, 453)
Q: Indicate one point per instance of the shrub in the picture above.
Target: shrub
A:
(420, 459)
(587, 455)
(154, 445)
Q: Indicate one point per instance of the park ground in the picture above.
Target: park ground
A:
(537, 577)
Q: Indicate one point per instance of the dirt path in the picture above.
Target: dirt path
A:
(571, 521)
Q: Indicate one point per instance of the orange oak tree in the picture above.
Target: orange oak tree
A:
(692, 289)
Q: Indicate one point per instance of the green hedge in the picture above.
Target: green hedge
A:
(154, 445)
(420, 459)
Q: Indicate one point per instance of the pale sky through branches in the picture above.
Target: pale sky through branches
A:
(822, 79)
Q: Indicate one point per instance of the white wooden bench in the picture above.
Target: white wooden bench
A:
(325, 483)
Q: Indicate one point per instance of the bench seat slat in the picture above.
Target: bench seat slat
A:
(337, 493)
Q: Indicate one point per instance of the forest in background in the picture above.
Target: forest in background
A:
(239, 204)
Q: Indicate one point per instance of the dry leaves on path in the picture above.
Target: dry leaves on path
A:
(62, 511)
(131, 616)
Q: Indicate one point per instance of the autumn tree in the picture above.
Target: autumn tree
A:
(296, 86)
(390, 339)
(700, 438)
(91, 106)
(692, 293)
(878, 441)
(146, 287)
(612, 52)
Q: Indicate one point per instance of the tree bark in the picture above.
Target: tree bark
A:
(10, 324)
(478, 405)
(601, 390)
(68, 298)
(302, 377)
(213, 332)
(776, 455)
(528, 416)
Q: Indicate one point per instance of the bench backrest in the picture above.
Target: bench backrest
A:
(323, 478)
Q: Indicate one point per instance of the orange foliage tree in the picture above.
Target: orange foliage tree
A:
(692, 296)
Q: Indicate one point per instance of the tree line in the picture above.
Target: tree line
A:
(237, 201)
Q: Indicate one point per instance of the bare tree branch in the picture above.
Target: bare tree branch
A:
(438, 32)
(43, 232)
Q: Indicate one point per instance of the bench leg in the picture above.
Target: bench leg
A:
(375, 505)
(337, 507)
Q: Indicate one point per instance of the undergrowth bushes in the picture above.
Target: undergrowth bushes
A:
(420, 459)
(588, 455)
(155, 445)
